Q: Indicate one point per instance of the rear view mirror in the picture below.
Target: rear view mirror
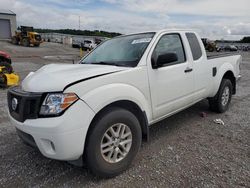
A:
(164, 59)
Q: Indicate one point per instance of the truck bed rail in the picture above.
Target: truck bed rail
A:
(218, 55)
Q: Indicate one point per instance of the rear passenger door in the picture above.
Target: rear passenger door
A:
(171, 85)
(201, 69)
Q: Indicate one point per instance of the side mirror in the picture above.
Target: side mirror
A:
(164, 59)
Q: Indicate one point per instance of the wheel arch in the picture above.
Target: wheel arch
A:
(130, 106)
(230, 76)
(226, 71)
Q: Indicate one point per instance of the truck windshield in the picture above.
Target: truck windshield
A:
(120, 51)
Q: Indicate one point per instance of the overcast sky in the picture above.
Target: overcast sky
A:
(216, 19)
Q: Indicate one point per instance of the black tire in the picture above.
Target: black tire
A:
(216, 103)
(14, 40)
(94, 158)
(8, 68)
(36, 45)
(4, 59)
(26, 42)
(3, 81)
(210, 49)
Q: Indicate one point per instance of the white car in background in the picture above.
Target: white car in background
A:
(88, 45)
(84, 44)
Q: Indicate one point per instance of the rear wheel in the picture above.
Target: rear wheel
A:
(220, 102)
(113, 142)
(210, 49)
(26, 42)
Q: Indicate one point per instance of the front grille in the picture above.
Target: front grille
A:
(28, 104)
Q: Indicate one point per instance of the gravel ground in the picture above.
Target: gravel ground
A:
(185, 150)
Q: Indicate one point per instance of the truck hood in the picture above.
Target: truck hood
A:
(56, 77)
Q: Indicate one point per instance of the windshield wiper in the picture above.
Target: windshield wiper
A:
(107, 63)
(115, 63)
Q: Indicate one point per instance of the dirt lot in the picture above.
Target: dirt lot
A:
(184, 150)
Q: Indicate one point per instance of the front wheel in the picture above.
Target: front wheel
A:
(14, 40)
(220, 102)
(113, 142)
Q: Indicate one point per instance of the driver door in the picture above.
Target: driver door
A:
(172, 84)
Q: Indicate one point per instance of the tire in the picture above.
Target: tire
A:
(99, 162)
(8, 67)
(5, 60)
(210, 49)
(26, 42)
(220, 102)
(36, 45)
(14, 40)
(3, 81)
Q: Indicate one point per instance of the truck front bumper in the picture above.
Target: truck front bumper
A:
(60, 138)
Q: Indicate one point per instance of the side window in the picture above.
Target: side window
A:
(170, 43)
(194, 45)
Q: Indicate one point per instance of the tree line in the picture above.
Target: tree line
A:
(245, 40)
(79, 32)
(104, 33)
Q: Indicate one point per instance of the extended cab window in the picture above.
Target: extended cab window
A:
(170, 43)
(194, 45)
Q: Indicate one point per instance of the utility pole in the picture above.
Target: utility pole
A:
(79, 22)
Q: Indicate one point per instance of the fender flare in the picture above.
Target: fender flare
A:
(227, 67)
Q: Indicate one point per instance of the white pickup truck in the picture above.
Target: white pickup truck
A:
(100, 109)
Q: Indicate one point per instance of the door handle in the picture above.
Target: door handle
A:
(188, 70)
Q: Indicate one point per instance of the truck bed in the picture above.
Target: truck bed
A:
(213, 55)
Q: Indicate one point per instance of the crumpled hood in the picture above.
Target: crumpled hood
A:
(55, 77)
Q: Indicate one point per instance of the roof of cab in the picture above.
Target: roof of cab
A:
(161, 31)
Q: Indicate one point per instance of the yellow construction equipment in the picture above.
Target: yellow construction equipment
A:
(26, 37)
(8, 77)
(209, 45)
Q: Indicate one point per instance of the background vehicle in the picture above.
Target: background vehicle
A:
(246, 48)
(85, 44)
(88, 45)
(210, 45)
(76, 43)
(104, 106)
(7, 76)
(26, 37)
(230, 48)
(4, 57)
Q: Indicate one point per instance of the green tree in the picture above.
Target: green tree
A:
(245, 40)
(79, 32)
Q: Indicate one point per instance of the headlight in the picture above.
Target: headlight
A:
(55, 103)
